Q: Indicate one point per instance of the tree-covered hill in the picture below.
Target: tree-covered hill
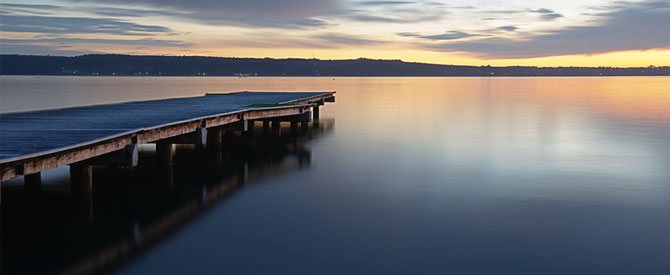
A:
(124, 65)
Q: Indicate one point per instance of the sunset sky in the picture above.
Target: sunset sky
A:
(516, 32)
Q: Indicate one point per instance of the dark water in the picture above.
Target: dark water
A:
(413, 176)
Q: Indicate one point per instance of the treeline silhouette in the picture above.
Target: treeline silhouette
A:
(136, 65)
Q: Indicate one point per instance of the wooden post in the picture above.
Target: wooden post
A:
(132, 155)
(33, 182)
(249, 128)
(201, 136)
(266, 127)
(315, 113)
(81, 179)
(164, 154)
(276, 127)
(215, 139)
(294, 126)
(304, 121)
(245, 125)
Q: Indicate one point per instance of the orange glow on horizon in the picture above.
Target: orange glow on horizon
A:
(659, 57)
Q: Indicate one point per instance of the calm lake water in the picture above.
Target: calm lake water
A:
(414, 176)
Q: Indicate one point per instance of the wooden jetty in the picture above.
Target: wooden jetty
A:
(32, 142)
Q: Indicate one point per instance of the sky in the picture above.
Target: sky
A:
(493, 32)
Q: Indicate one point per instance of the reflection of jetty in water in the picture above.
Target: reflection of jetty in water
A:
(133, 208)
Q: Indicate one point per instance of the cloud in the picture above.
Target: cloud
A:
(246, 21)
(320, 41)
(76, 25)
(10, 48)
(28, 6)
(630, 26)
(409, 34)
(342, 39)
(394, 15)
(376, 3)
(547, 14)
(392, 12)
(508, 28)
(125, 12)
(398, 19)
(87, 25)
(317, 41)
(551, 16)
(451, 35)
(276, 42)
(504, 11)
(545, 11)
(269, 8)
(64, 42)
(11, 8)
(67, 35)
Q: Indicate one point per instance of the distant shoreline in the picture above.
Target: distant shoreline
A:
(322, 76)
(197, 66)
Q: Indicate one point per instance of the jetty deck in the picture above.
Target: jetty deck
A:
(31, 142)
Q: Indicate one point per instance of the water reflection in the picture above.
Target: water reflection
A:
(133, 209)
(426, 176)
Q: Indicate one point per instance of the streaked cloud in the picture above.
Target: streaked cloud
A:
(473, 30)
(629, 26)
(128, 12)
(9, 8)
(73, 41)
(377, 3)
(269, 8)
(343, 39)
(398, 19)
(319, 41)
(245, 21)
(29, 49)
(508, 28)
(451, 35)
(75, 25)
(393, 12)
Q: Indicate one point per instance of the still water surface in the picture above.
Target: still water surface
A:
(428, 176)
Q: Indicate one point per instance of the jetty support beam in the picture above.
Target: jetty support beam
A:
(215, 138)
(81, 179)
(164, 154)
(316, 113)
(276, 127)
(266, 126)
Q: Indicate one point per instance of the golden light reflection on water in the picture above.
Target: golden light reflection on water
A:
(572, 122)
(641, 97)
(565, 124)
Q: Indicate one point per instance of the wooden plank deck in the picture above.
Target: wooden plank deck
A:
(31, 142)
